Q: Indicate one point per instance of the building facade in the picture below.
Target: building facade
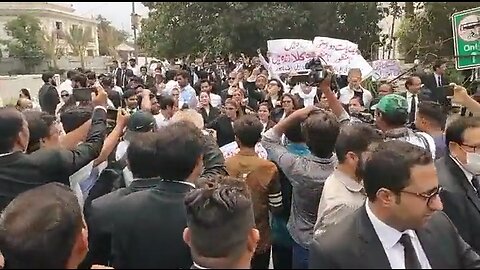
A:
(55, 19)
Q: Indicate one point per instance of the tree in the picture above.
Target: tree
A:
(430, 30)
(109, 37)
(223, 27)
(49, 45)
(24, 45)
(78, 39)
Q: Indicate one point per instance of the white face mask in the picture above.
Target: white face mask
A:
(473, 163)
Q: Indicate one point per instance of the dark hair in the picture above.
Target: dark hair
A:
(91, 75)
(129, 93)
(80, 78)
(293, 98)
(219, 217)
(360, 100)
(71, 74)
(248, 129)
(265, 104)
(456, 129)
(74, 117)
(26, 93)
(183, 73)
(179, 144)
(170, 75)
(46, 76)
(205, 81)
(166, 101)
(132, 60)
(106, 81)
(11, 123)
(39, 227)
(294, 133)
(143, 67)
(39, 124)
(437, 64)
(434, 112)
(123, 62)
(324, 125)
(390, 164)
(355, 138)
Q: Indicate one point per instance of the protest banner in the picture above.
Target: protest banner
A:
(386, 69)
(342, 55)
(288, 55)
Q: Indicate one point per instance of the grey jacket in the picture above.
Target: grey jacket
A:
(307, 175)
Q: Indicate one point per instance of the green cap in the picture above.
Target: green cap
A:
(393, 104)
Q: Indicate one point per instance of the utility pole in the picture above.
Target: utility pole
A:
(135, 22)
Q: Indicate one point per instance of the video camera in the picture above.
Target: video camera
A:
(318, 72)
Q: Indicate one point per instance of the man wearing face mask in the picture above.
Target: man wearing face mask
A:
(459, 174)
(343, 192)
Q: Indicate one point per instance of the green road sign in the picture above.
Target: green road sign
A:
(466, 35)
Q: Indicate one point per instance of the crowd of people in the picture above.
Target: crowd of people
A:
(137, 175)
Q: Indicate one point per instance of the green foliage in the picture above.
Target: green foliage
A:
(181, 28)
(109, 37)
(25, 44)
(78, 39)
(430, 31)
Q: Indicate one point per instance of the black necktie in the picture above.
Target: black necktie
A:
(123, 78)
(476, 184)
(413, 109)
(411, 260)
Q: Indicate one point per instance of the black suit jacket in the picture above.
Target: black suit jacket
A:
(149, 81)
(353, 243)
(460, 202)
(99, 218)
(119, 81)
(48, 98)
(223, 126)
(213, 114)
(431, 83)
(20, 172)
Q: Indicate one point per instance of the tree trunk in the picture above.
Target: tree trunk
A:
(82, 60)
(410, 15)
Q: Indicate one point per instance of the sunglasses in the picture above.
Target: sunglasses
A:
(65, 95)
(231, 78)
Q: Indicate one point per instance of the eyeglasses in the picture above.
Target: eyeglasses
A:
(231, 78)
(471, 146)
(66, 95)
(427, 197)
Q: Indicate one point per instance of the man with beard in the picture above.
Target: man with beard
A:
(343, 192)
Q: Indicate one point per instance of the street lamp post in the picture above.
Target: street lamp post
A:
(135, 20)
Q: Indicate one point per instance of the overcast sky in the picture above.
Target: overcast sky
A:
(116, 12)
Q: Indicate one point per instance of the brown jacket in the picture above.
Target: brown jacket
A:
(262, 178)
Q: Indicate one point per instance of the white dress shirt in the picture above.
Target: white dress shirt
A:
(409, 102)
(347, 93)
(438, 79)
(389, 238)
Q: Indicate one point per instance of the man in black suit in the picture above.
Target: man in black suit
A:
(459, 175)
(414, 95)
(436, 80)
(401, 226)
(147, 80)
(150, 212)
(48, 95)
(20, 172)
(221, 230)
(121, 76)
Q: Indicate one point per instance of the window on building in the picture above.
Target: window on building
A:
(90, 53)
(74, 26)
(58, 25)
